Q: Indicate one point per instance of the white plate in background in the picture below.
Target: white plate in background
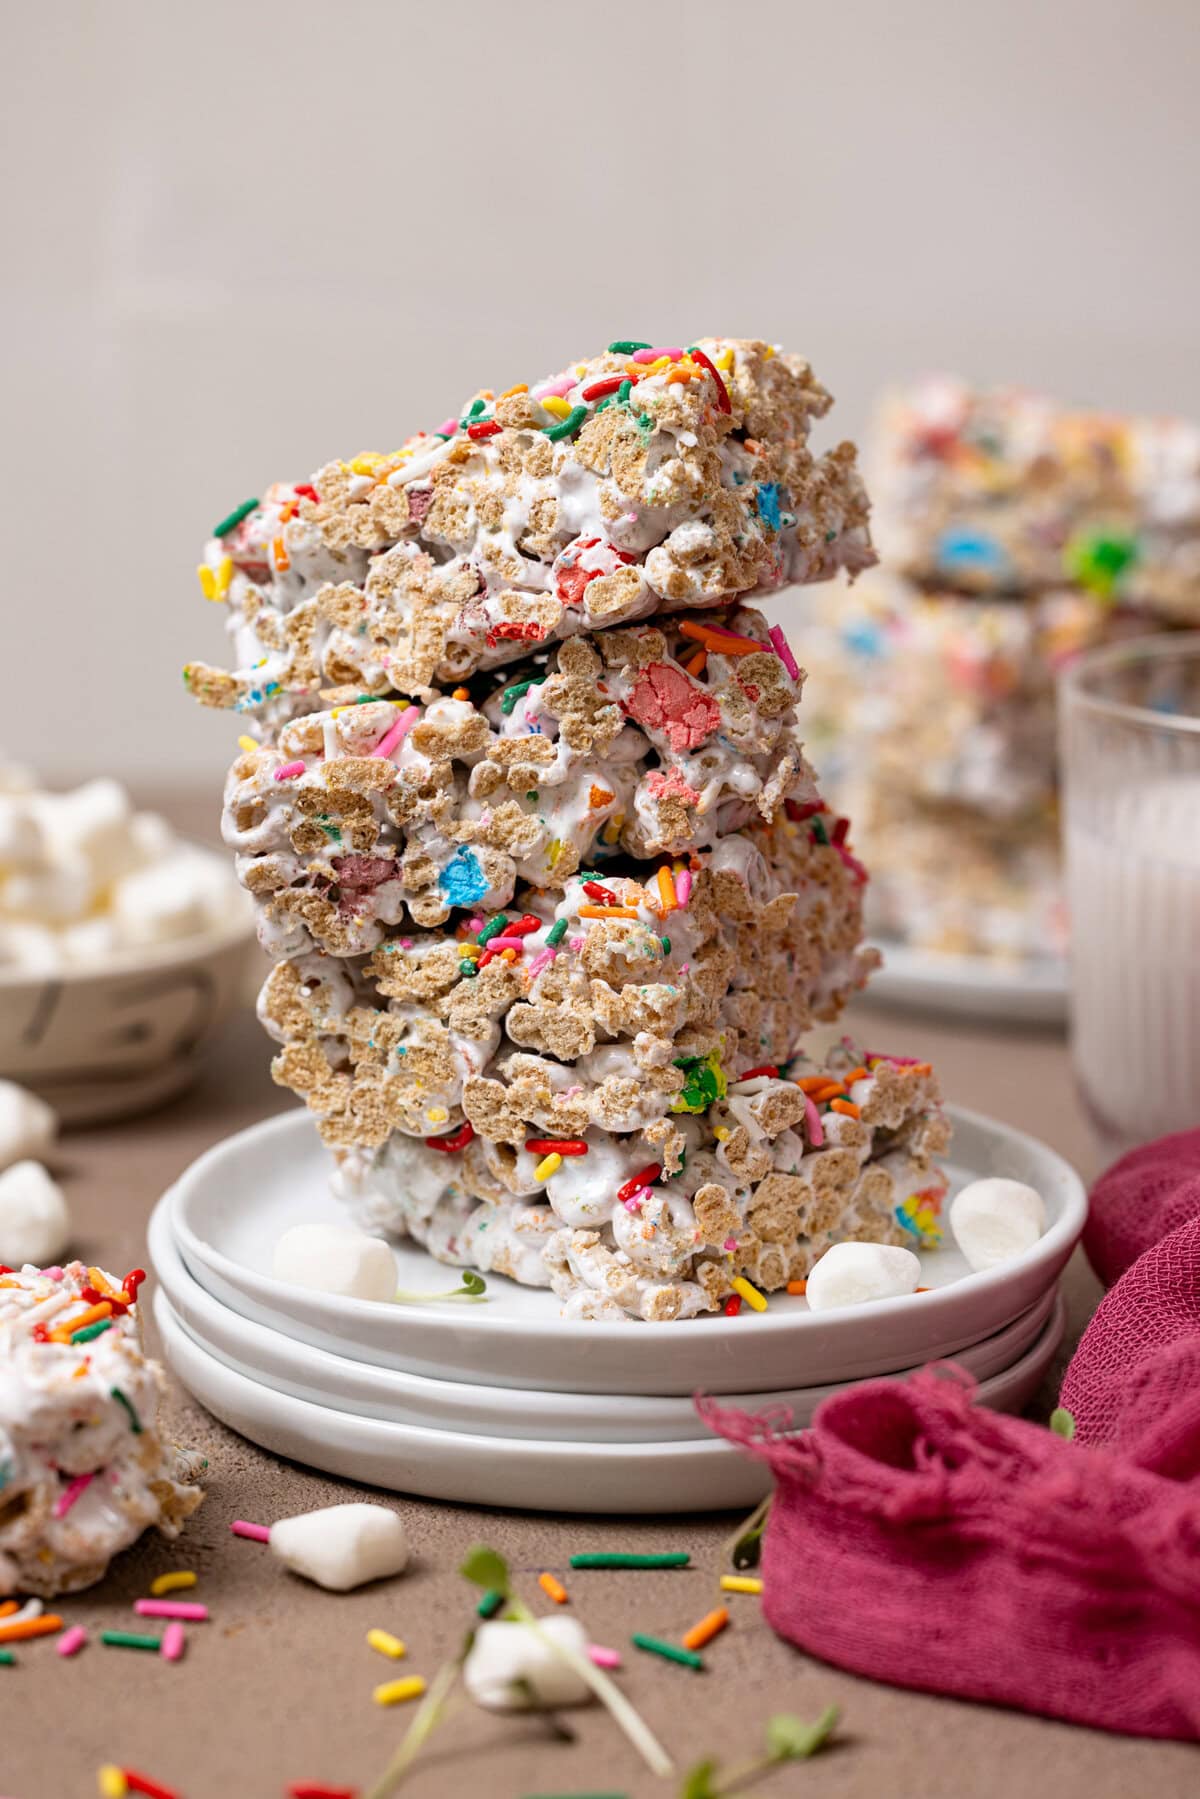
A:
(981, 988)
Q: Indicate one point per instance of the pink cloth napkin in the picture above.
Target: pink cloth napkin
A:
(925, 1541)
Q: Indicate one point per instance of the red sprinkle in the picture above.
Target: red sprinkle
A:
(39, 1333)
(561, 1146)
(132, 1282)
(609, 385)
(142, 1783)
(643, 1178)
(484, 428)
(603, 896)
(523, 926)
(308, 1789)
(722, 390)
(452, 1145)
(767, 1068)
(309, 492)
(798, 813)
(841, 827)
(733, 1306)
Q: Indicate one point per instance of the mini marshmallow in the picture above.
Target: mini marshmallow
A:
(335, 1258)
(35, 1225)
(995, 1219)
(511, 1669)
(169, 899)
(93, 822)
(28, 1126)
(849, 1274)
(342, 1546)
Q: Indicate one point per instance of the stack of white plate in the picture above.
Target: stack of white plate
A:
(504, 1403)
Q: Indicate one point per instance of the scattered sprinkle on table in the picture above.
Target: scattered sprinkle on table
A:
(8, 1608)
(7, 1659)
(601, 1657)
(386, 1643)
(307, 1789)
(171, 1608)
(257, 1533)
(173, 1643)
(490, 1604)
(395, 1692)
(72, 1641)
(710, 1626)
(174, 1582)
(24, 1628)
(741, 1583)
(668, 1558)
(670, 1652)
(111, 1782)
(127, 1639)
(552, 1588)
(142, 1783)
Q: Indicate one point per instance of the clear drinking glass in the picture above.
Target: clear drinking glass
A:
(1129, 721)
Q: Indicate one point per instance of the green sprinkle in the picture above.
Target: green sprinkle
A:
(135, 1423)
(477, 407)
(1062, 1422)
(92, 1330)
(646, 422)
(512, 694)
(666, 943)
(606, 401)
(126, 1639)
(569, 426)
(623, 392)
(669, 1558)
(556, 933)
(468, 969)
(7, 1658)
(493, 928)
(490, 1604)
(235, 518)
(819, 831)
(670, 1652)
(626, 346)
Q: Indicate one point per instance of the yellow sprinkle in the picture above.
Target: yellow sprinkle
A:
(395, 1692)
(208, 587)
(751, 1295)
(247, 745)
(721, 1133)
(741, 1583)
(366, 462)
(471, 950)
(725, 360)
(557, 406)
(768, 352)
(386, 1643)
(581, 368)
(547, 1166)
(111, 1782)
(174, 1582)
(224, 576)
(437, 1114)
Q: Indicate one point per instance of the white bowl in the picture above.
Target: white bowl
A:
(305, 1372)
(704, 1474)
(229, 1209)
(108, 1040)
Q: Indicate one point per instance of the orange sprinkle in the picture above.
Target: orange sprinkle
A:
(666, 891)
(45, 1626)
(522, 387)
(717, 643)
(855, 1074)
(93, 1315)
(462, 693)
(846, 1107)
(607, 912)
(8, 1608)
(922, 1289)
(287, 512)
(800, 1287)
(819, 1086)
(279, 551)
(921, 1068)
(709, 1627)
(553, 1589)
(599, 796)
(696, 665)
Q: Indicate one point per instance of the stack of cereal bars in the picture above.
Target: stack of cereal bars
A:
(550, 892)
(1014, 535)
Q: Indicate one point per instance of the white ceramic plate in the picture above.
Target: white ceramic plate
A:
(111, 1039)
(229, 1209)
(1026, 992)
(707, 1474)
(313, 1374)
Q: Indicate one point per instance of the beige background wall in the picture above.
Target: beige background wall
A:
(243, 237)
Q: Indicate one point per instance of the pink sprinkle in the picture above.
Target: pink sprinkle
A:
(875, 1055)
(171, 1608)
(257, 1533)
(634, 1202)
(289, 769)
(406, 943)
(399, 730)
(499, 943)
(53, 1274)
(540, 961)
(72, 1641)
(853, 864)
(75, 1490)
(602, 1657)
(683, 886)
(447, 428)
(730, 1244)
(653, 355)
(475, 924)
(171, 1645)
(783, 650)
(555, 389)
(577, 944)
(812, 1118)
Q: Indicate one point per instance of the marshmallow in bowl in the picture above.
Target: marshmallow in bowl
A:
(511, 1667)
(28, 1126)
(995, 1219)
(335, 1258)
(35, 1225)
(850, 1274)
(83, 876)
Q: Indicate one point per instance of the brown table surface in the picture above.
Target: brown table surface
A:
(277, 1688)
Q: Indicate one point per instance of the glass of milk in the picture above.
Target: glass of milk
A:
(1129, 721)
